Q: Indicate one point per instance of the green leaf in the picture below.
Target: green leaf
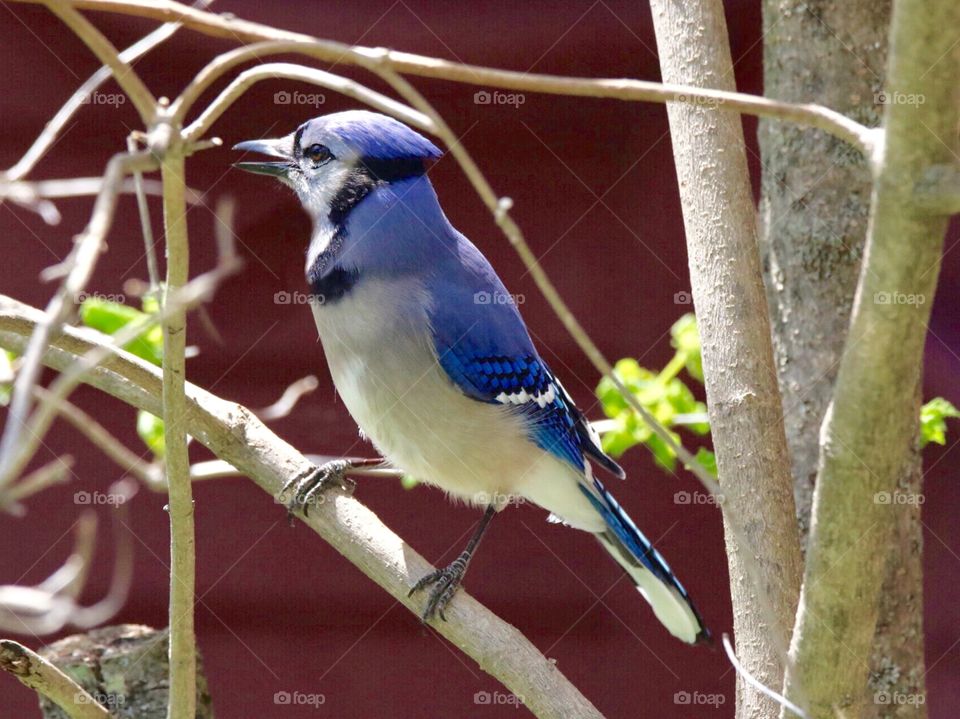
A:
(110, 317)
(933, 421)
(685, 337)
(150, 429)
(708, 459)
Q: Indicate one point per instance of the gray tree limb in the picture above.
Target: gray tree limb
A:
(742, 393)
(814, 208)
(868, 432)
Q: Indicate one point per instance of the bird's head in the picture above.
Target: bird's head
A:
(327, 158)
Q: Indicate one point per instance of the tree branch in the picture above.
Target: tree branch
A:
(40, 675)
(233, 28)
(867, 433)
(743, 398)
(235, 435)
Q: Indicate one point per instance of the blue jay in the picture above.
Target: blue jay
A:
(432, 359)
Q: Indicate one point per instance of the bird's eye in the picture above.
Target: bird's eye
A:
(318, 154)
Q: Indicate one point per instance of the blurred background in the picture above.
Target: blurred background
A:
(594, 189)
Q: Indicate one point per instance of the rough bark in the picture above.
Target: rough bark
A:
(742, 393)
(815, 204)
(868, 432)
(124, 668)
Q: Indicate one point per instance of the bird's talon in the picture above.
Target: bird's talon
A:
(309, 487)
(446, 581)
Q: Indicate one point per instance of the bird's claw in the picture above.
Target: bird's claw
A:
(308, 488)
(445, 583)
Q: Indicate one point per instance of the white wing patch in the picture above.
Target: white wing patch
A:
(522, 397)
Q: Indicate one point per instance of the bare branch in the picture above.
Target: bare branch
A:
(284, 406)
(233, 28)
(43, 677)
(142, 99)
(77, 269)
(239, 438)
(752, 681)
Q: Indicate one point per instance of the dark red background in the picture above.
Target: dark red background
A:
(595, 191)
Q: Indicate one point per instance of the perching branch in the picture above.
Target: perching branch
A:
(235, 435)
(867, 434)
(40, 675)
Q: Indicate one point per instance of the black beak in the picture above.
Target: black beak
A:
(272, 148)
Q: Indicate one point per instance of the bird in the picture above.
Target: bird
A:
(431, 357)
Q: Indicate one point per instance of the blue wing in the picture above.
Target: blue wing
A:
(484, 347)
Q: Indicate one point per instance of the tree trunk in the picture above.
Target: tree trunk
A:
(125, 668)
(742, 394)
(814, 209)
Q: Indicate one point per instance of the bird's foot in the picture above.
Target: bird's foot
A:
(308, 488)
(445, 583)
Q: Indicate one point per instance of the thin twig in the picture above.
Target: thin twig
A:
(43, 677)
(48, 136)
(77, 269)
(284, 406)
(102, 438)
(128, 80)
(183, 652)
(146, 226)
(289, 71)
(752, 681)
(232, 28)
